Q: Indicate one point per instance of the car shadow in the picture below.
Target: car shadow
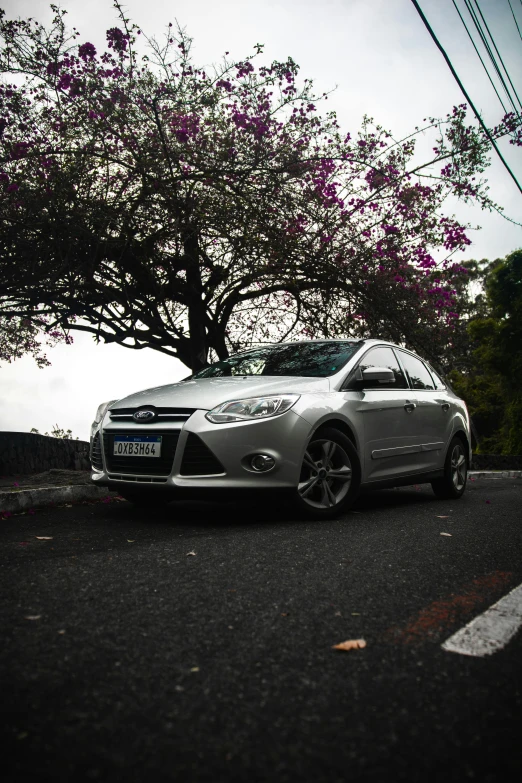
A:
(261, 510)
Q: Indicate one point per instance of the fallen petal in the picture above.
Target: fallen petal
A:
(44, 538)
(190, 553)
(32, 617)
(446, 517)
(350, 644)
(446, 534)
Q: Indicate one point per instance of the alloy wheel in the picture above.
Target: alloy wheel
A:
(326, 474)
(458, 467)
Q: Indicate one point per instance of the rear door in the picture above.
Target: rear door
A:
(389, 415)
(433, 409)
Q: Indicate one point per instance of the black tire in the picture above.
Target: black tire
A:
(330, 475)
(453, 484)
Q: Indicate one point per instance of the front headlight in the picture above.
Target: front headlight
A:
(100, 413)
(252, 408)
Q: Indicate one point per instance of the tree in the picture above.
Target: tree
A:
(492, 381)
(153, 204)
(20, 336)
(57, 432)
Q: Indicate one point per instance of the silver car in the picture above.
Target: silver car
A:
(319, 419)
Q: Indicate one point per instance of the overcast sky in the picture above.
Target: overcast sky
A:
(378, 55)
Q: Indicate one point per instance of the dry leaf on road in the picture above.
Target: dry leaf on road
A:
(446, 534)
(351, 644)
(190, 553)
(44, 538)
(131, 540)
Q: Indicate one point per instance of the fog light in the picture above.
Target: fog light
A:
(262, 462)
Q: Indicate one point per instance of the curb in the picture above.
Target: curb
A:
(25, 499)
(495, 474)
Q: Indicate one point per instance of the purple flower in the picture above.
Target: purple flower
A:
(225, 84)
(87, 51)
(65, 81)
(12, 188)
(243, 69)
(117, 39)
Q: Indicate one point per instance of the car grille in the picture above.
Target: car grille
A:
(162, 414)
(198, 460)
(96, 453)
(140, 479)
(147, 466)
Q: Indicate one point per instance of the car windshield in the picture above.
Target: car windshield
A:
(314, 360)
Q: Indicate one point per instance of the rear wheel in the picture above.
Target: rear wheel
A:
(330, 475)
(453, 483)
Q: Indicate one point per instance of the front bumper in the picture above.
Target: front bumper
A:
(232, 445)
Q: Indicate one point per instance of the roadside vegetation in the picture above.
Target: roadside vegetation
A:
(489, 375)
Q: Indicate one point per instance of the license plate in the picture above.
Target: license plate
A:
(137, 446)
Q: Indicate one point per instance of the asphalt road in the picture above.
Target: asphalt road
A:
(196, 644)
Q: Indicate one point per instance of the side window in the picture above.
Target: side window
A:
(417, 372)
(439, 383)
(383, 357)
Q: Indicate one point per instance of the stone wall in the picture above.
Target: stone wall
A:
(26, 452)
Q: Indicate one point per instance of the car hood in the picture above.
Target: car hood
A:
(206, 393)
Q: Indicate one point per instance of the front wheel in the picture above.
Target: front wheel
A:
(453, 483)
(330, 475)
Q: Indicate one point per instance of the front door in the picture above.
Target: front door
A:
(389, 416)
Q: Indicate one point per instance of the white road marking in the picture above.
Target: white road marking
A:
(491, 631)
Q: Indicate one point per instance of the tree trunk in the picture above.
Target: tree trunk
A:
(196, 306)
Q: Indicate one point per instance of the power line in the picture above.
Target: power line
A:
(453, 71)
(479, 56)
(515, 18)
(497, 51)
(484, 40)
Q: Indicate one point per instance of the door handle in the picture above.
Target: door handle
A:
(445, 406)
(410, 407)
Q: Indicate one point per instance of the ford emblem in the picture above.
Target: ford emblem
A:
(144, 415)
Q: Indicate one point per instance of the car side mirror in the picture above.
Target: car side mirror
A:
(383, 374)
